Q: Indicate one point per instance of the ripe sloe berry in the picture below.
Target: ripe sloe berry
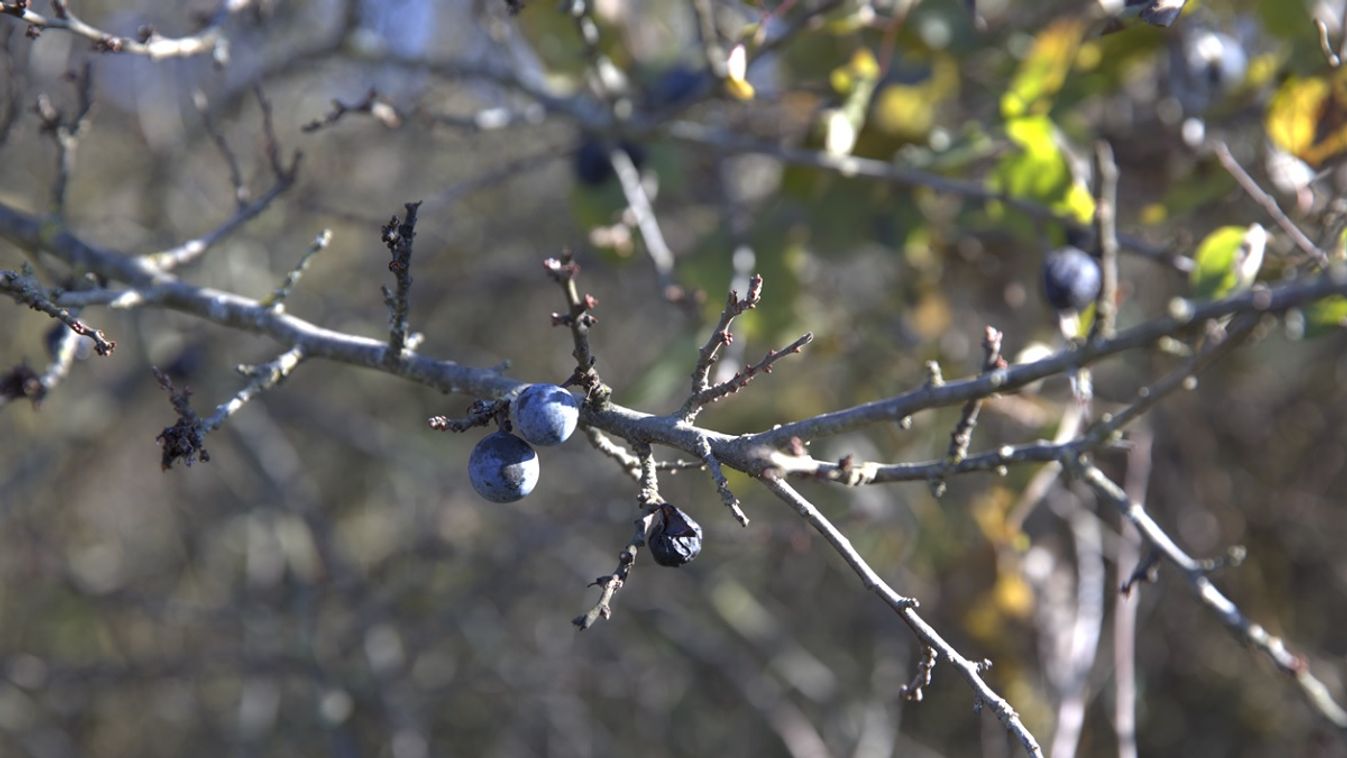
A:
(592, 166)
(675, 86)
(503, 468)
(545, 414)
(676, 538)
(1071, 279)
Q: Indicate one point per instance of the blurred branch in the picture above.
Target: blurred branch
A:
(147, 41)
(1255, 635)
(1125, 603)
(1084, 633)
(284, 175)
(66, 132)
(639, 202)
(1268, 203)
(848, 165)
(1106, 234)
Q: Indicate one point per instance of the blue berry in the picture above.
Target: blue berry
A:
(545, 414)
(675, 86)
(592, 166)
(676, 538)
(503, 468)
(1071, 279)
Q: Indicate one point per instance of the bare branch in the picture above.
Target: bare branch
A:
(264, 377)
(579, 318)
(1314, 690)
(480, 413)
(397, 236)
(24, 289)
(1268, 203)
(276, 299)
(720, 336)
(742, 378)
(722, 485)
(379, 108)
(147, 41)
(649, 500)
(962, 436)
(1106, 234)
(906, 608)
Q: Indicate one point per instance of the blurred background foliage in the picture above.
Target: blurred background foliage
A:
(328, 584)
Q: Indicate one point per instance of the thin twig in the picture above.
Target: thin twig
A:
(66, 133)
(630, 464)
(1268, 203)
(644, 211)
(480, 413)
(722, 485)
(264, 377)
(1106, 234)
(374, 104)
(720, 337)
(579, 318)
(906, 608)
(962, 435)
(284, 177)
(24, 288)
(1255, 635)
(1125, 603)
(398, 236)
(742, 378)
(277, 298)
(147, 41)
(649, 500)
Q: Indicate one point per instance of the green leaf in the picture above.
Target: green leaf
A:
(1214, 270)
(1039, 171)
(1326, 316)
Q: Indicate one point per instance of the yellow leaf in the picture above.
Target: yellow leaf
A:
(1308, 117)
(1043, 71)
(864, 64)
(1014, 597)
(739, 89)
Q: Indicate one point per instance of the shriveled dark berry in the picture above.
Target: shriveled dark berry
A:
(1071, 279)
(676, 539)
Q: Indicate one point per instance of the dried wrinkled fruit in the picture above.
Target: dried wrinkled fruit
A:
(675, 539)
